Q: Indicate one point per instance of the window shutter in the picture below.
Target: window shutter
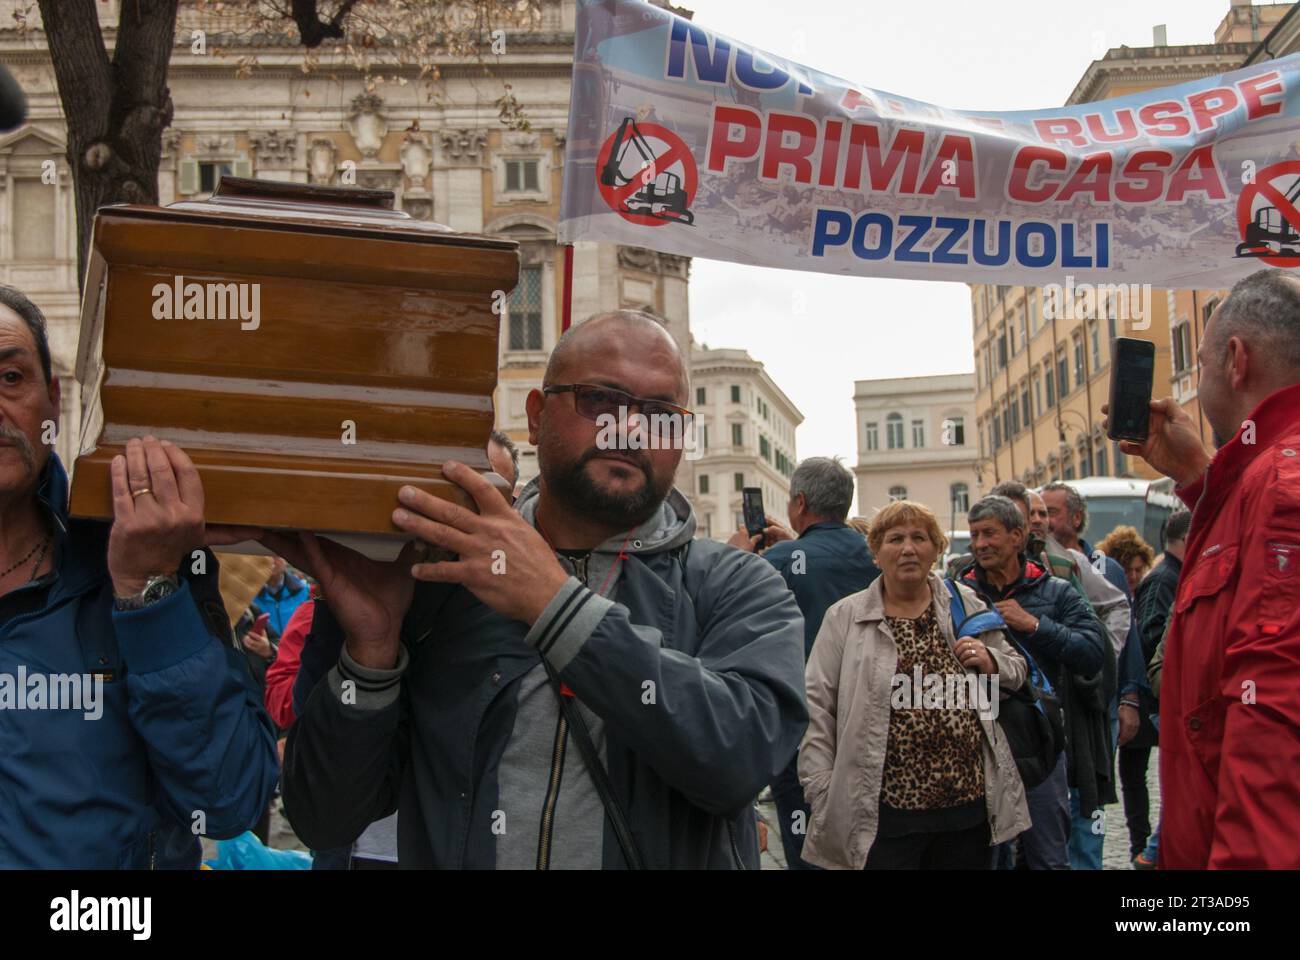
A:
(242, 167)
(188, 177)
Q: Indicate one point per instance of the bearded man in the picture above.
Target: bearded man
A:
(585, 685)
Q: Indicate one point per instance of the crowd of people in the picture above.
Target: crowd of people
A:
(571, 678)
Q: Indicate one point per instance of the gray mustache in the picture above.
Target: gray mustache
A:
(21, 443)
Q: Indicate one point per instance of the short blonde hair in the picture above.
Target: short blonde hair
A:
(860, 524)
(905, 511)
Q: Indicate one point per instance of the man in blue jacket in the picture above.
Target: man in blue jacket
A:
(281, 596)
(828, 562)
(128, 715)
(1050, 620)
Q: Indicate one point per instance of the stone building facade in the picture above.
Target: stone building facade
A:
(451, 161)
(916, 442)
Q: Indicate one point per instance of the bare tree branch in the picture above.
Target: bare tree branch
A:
(311, 29)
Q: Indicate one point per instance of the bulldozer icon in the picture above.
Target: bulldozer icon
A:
(1270, 234)
(661, 195)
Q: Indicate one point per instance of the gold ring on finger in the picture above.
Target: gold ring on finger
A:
(140, 493)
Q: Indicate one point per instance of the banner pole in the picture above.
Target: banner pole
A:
(566, 310)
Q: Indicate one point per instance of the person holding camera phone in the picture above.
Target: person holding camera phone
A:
(1230, 690)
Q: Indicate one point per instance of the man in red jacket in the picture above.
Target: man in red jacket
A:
(1230, 697)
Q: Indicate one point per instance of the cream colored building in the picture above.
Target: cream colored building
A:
(746, 436)
(1041, 380)
(916, 442)
(452, 162)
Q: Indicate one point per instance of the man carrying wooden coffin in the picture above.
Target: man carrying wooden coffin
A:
(127, 716)
(584, 685)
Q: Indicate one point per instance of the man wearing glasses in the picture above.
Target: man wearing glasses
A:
(584, 685)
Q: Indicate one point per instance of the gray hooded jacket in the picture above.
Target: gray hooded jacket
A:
(685, 657)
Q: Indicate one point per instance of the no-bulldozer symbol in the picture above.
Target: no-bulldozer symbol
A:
(647, 174)
(1267, 217)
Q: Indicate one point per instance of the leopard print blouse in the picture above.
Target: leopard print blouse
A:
(933, 758)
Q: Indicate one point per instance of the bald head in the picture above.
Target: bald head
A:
(585, 349)
(597, 474)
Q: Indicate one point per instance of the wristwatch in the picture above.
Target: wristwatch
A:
(157, 588)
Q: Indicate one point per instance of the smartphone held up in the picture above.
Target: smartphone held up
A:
(1132, 378)
(752, 506)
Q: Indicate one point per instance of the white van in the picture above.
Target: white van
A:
(1116, 501)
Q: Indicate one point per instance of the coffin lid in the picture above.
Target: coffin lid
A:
(304, 208)
(250, 203)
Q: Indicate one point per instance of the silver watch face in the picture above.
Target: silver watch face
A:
(159, 588)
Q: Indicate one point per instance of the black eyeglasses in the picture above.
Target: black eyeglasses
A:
(593, 401)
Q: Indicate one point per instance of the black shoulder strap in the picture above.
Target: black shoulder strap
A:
(582, 736)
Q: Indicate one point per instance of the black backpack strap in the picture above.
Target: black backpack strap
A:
(582, 737)
(596, 769)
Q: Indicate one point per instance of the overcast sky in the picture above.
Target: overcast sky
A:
(966, 54)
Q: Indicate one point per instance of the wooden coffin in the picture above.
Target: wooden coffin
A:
(355, 352)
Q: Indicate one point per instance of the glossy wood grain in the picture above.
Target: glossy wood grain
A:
(371, 361)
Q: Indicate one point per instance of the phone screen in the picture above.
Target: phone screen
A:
(752, 504)
(1131, 382)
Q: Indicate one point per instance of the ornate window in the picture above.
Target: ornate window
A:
(215, 156)
(959, 497)
(1181, 336)
(521, 176)
(529, 321)
(525, 311)
(521, 168)
(894, 431)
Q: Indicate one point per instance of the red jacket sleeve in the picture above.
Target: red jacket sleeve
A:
(284, 669)
(1258, 792)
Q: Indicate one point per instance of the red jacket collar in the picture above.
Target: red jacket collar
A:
(1031, 571)
(1276, 415)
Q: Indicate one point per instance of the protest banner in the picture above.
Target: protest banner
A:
(689, 142)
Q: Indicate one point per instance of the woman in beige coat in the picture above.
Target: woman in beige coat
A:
(903, 763)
